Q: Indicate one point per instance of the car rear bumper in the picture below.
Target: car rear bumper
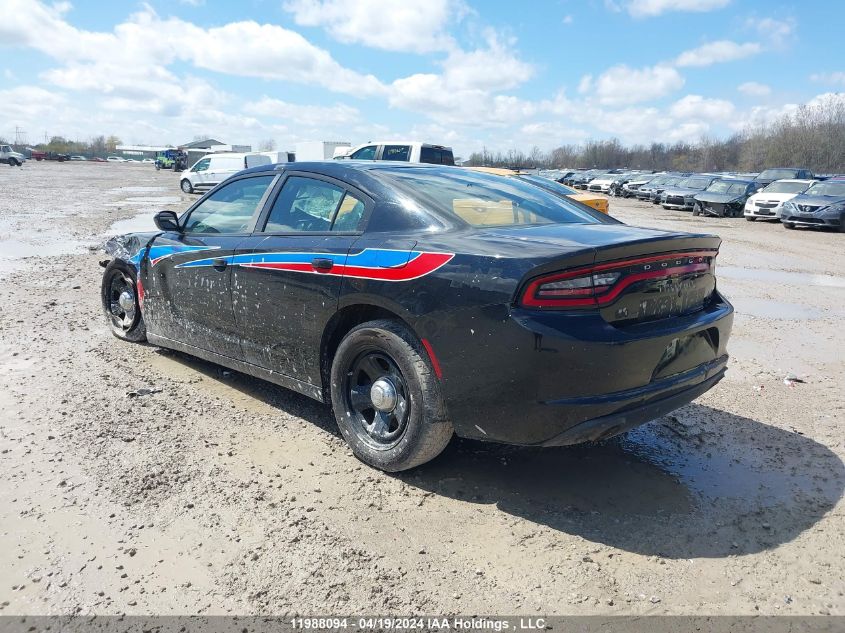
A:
(648, 403)
(551, 378)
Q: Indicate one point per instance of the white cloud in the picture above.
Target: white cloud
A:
(567, 19)
(754, 89)
(465, 92)
(833, 79)
(419, 26)
(309, 115)
(716, 52)
(651, 8)
(698, 107)
(146, 41)
(775, 32)
(625, 85)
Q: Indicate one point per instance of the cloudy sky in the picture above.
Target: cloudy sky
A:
(469, 73)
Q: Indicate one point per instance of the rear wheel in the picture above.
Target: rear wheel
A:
(119, 293)
(386, 398)
(186, 186)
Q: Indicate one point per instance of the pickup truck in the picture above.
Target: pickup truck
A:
(11, 157)
(406, 151)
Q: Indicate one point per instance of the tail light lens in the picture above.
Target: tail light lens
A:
(600, 284)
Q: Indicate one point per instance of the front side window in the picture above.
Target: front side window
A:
(202, 165)
(304, 204)
(396, 152)
(229, 209)
(365, 153)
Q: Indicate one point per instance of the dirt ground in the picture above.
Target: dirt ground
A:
(213, 492)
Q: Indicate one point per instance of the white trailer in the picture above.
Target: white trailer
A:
(318, 150)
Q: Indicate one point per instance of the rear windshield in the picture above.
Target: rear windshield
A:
(777, 174)
(726, 186)
(487, 200)
(786, 187)
(696, 183)
(436, 155)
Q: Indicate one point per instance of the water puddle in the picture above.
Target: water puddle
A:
(780, 276)
(14, 252)
(138, 224)
(137, 189)
(157, 200)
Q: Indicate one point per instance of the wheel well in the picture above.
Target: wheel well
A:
(338, 327)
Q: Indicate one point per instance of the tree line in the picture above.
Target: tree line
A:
(812, 137)
(96, 146)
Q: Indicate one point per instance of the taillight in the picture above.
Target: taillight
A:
(600, 284)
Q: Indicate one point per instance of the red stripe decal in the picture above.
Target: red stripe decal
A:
(420, 266)
(434, 362)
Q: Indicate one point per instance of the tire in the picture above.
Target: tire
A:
(186, 186)
(750, 218)
(416, 428)
(125, 322)
(696, 209)
(13, 162)
(788, 225)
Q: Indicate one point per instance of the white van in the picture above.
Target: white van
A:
(213, 169)
(406, 151)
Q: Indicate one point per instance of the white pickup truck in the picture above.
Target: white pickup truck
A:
(406, 151)
(11, 157)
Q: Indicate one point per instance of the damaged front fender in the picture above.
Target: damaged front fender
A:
(130, 248)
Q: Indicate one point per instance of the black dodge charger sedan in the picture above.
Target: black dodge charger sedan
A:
(425, 300)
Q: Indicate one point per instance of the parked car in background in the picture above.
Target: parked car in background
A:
(116, 159)
(403, 151)
(39, 155)
(424, 300)
(820, 206)
(724, 198)
(11, 157)
(601, 183)
(599, 203)
(768, 176)
(213, 169)
(78, 158)
(682, 196)
(97, 159)
(767, 203)
(651, 192)
(630, 188)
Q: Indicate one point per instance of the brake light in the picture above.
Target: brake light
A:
(600, 284)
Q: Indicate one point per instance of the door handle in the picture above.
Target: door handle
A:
(322, 264)
(219, 263)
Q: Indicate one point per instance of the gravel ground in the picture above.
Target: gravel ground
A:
(143, 481)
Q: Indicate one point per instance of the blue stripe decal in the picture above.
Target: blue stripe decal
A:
(368, 258)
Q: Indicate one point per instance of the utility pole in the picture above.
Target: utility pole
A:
(19, 133)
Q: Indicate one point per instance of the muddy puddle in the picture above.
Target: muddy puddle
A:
(140, 223)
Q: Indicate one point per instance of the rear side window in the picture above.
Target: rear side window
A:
(436, 156)
(304, 204)
(349, 214)
(396, 152)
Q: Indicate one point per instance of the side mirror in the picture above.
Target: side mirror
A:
(167, 221)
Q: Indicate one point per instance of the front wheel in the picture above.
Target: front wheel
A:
(696, 209)
(788, 225)
(186, 186)
(386, 397)
(119, 294)
(750, 218)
